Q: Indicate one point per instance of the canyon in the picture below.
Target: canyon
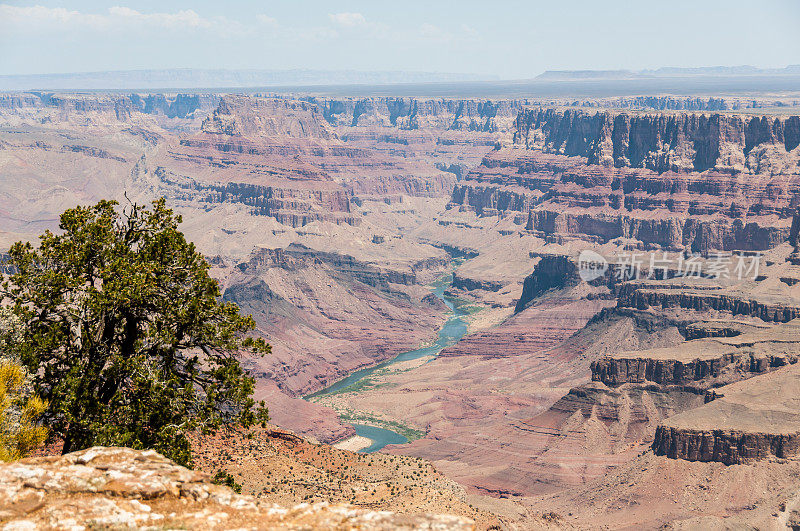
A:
(644, 396)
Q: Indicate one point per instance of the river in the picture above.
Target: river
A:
(450, 333)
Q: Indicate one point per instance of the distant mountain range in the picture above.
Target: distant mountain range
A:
(710, 71)
(215, 79)
(190, 78)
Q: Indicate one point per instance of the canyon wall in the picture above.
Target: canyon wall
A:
(169, 105)
(683, 142)
(618, 371)
(644, 296)
(725, 446)
(412, 113)
(663, 180)
(740, 423)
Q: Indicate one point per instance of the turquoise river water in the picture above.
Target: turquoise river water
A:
(450, 333)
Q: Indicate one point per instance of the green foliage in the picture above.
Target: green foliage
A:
(224, 478)
(126, 335)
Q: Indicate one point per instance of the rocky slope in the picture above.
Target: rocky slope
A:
(655, 492)
(484, 404)
(279, 467)
(557, 430)
(122, 488)
(325, 314)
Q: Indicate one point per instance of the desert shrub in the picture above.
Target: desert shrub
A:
(224, 478)
(19, 409)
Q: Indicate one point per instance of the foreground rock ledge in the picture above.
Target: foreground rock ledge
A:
(123, 488)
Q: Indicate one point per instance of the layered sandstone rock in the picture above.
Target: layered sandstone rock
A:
(704, 360)
(670, 180)
(752, 419)
(412, 113)
(689, 103)
(282, 159)
(692, 297)
(182, 106)
(565, 197)
(666, 142)
(123, 488)
(729, 446)
(270, 117)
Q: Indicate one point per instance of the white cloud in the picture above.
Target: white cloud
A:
(266, 21)
(36, 12)
(348, 20)
(115, 18)
(40, 15)
(180, 19)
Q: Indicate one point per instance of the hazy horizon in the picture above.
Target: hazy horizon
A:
(514, 40)
(466, 75)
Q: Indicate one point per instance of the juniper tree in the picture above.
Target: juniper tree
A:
(125, 333)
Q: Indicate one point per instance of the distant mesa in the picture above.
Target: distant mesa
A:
(712, 71)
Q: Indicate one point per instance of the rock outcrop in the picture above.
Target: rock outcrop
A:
(643, 295)
(565, 197)
(551, 272)
(704, 362)
(668, 180)
(412, 113)
(794, 239)
(745, 421)
(123, 488)
(729, 446)
(181, 106)
(269, 117)
(682, 143)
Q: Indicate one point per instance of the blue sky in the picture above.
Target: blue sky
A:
(506, 38)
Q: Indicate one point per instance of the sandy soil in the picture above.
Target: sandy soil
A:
(354, 443)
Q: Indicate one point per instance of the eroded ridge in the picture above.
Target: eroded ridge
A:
(753, 419)
(705, 361)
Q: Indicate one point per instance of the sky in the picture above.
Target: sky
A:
(509, 39)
